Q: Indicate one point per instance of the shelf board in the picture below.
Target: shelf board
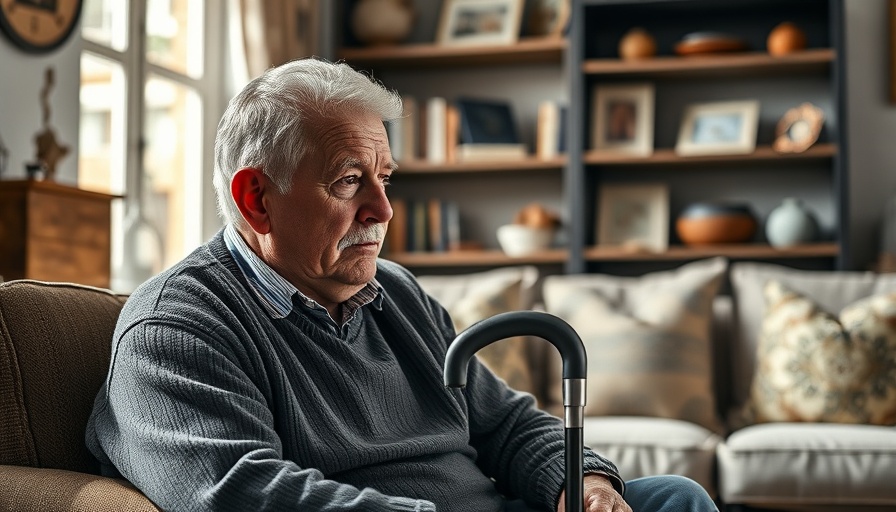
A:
(668, 156)
(475, 258)
(526, 50)
(740, 251)
(528, 164)
(811, 60)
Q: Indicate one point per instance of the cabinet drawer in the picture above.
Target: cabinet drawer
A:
(51, 260)
(73, 219)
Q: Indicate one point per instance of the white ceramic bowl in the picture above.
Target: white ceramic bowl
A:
(519, 240)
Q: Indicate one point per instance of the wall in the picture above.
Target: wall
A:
(20, 104)
(871, 122)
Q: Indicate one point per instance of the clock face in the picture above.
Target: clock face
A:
(39, 25)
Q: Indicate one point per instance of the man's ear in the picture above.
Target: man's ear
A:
(248, 188)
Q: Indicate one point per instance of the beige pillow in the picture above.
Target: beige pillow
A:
(473, 297)
(647, 340)
(812, 366)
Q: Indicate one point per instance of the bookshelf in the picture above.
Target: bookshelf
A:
(573, 65)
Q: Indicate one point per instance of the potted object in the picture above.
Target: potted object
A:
(382, 22)
(637, 43)
(716, 223)
(532, 230)
(786, 38)
(791, 223)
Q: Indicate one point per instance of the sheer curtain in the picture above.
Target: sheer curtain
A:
(265, 33)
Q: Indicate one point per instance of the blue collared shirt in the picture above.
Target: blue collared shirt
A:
(276, 293)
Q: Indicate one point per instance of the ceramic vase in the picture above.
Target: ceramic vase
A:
(791, 223)
(382, 22)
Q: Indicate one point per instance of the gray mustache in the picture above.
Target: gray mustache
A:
(363, 235)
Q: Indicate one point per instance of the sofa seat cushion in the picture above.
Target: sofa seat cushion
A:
(643, 446)
(809, 464)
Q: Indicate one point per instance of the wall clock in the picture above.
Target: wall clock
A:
(39, 26)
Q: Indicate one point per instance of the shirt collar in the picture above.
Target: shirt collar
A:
(275, 292)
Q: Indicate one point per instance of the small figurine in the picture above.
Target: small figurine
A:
(49, 151)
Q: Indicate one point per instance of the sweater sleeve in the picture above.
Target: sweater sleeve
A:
(519, 445)
(184, 423)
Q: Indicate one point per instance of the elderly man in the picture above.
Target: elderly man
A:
(283, 366)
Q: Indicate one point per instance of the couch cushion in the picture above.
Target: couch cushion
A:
(809, 464)
(642, 446)
(55, 345)
(814, 367)
(469, 298)
(647, 340)
(832, 291)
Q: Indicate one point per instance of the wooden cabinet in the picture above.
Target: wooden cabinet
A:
(54, 232)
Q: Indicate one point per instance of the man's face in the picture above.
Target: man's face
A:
(328, 230)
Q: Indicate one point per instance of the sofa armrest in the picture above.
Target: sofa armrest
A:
(27, 489)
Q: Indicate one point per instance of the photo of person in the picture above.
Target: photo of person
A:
(621, 120)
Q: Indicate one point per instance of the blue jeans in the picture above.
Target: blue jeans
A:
(668, 493)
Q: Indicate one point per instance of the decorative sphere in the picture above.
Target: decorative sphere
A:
(382, 22)
(637, 43)
(786, 38)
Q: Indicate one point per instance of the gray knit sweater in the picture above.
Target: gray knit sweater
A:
(210, 404)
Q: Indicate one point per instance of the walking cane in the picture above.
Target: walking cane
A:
(575, 368)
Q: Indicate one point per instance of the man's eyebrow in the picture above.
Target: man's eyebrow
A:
(392, 165)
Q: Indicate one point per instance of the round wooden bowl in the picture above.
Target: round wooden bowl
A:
(714, 223)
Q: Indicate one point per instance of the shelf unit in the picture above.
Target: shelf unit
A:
(598, 25)
(478, 186)
(588, 57)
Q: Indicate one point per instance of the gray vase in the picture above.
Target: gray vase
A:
(791, 223)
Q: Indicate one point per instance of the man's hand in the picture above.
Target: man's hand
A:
(600, 496)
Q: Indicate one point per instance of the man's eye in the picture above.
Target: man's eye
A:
(387, 180)
(351, 180)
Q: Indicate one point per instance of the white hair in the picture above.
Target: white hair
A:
(265, 125)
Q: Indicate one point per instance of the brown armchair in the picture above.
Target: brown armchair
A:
(55, 345)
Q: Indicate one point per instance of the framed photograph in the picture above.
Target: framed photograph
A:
(486, 122)
(480, 22)
(547, 18)
(798, 129)
(622, 118)
(720, 128)
(634, 216)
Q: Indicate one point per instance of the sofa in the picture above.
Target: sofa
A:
(55, 343)
(774, 388)
(673, 358)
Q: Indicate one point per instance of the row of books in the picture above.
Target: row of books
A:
(441, 131)
(420, 225)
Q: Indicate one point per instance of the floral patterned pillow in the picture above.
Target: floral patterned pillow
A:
(815, 367)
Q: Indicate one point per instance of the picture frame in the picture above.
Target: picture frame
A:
(480, 22)
(547, 18)
(798, 129)
(718, 128)
(634, 216)
(485, 121)
(622, 118)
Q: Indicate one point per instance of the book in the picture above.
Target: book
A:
(547, 130)
(485, 152)
(436, 139)
(397, 233)
(452, 132)
(409, 130)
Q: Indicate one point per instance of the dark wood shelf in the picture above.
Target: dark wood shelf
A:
(739, 251)
(526, 50)
(476, 258)
(527, 164)
(668, 156)
(809, 61)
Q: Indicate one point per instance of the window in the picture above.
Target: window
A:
(149, 102)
